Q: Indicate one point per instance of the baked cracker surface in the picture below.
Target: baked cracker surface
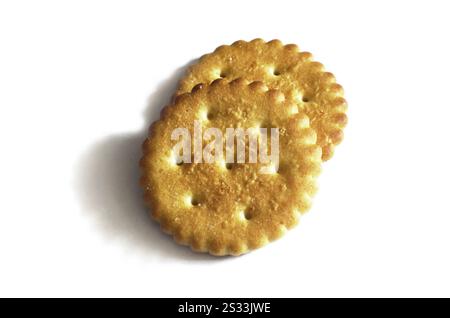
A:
(230, 209)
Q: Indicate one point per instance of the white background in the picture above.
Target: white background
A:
(80, 82)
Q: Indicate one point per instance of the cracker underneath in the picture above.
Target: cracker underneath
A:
(281, 67)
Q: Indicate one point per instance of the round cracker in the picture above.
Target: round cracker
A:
(282, 67)
(230, 209)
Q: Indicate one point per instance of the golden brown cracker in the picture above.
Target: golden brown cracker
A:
(285, 68)
(230, 209)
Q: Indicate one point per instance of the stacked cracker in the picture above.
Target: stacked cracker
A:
(230, 209)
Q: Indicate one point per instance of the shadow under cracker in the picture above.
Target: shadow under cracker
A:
(107, 185)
